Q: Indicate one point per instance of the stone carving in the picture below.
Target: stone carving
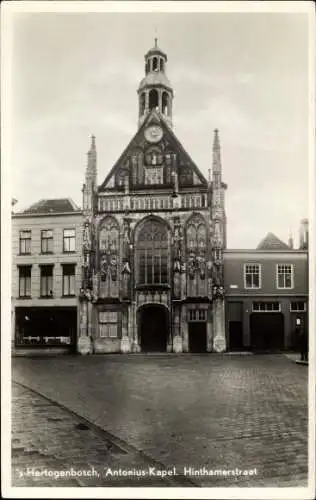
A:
(88, 294)
(126, 265)
(218, 292)
(196, 245)
(191, 267)
(109, 245)
(87, 254)
(177, 256)
(113, 266)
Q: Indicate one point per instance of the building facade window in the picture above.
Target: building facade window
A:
(69, 239)
(298, 306)
(152, 254)
(46, 281)
(252, 275)
(284, 276)
(266, 306)
(25, 281)
(69, 288)
(25, 242)
(47, 241)
(108, 324)
(197, 315)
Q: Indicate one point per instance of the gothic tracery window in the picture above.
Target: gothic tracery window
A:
(152, 254)
(109, 235)
(196, 237)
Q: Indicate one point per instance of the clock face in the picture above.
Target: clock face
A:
(153, 133)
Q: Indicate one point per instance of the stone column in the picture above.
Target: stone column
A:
(219, 325)
(185, 329)
(177, 338)
(125, 342)
(133, 322)
(209, 332)
(171, 329)
(84, 345)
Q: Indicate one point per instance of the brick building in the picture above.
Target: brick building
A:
(266, 293)
(46, 273)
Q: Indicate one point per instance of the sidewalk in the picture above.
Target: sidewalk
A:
(49, 442)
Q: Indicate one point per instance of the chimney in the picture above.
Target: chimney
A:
(303, 235)
(290, 243)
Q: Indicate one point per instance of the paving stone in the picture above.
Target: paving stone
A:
(217, 411)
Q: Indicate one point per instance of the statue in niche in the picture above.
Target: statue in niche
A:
(109, 245)
(202, 267)
(177, 256)
(177, 284)
(104, 267)
(177, 266)
(177, 240)
(126, 241)
(126, 268)
(191, 268)
(209, 267)
(197, 246)
(87, 236)
(113, 266)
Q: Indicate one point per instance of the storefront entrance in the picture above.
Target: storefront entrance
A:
(153, 328)
(197, 336)
(267, 331)
(46, 327)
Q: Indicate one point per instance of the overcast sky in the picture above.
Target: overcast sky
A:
(246, 74)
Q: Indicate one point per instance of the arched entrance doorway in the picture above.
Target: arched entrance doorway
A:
(153, 326)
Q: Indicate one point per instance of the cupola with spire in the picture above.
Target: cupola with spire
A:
(155, 91)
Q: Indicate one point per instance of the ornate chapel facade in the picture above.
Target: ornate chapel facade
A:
(154, 233)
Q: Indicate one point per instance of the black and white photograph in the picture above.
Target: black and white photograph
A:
(158, 249)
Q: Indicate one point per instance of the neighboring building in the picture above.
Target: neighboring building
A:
(46, 274)
(154, 233)
(267, 294)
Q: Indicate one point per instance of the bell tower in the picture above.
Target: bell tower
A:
(155, 91)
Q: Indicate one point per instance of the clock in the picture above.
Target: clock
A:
(153, 133)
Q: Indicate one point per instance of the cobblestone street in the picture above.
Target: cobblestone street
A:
(163, 411)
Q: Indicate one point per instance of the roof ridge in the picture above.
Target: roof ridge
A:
(271, 241)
